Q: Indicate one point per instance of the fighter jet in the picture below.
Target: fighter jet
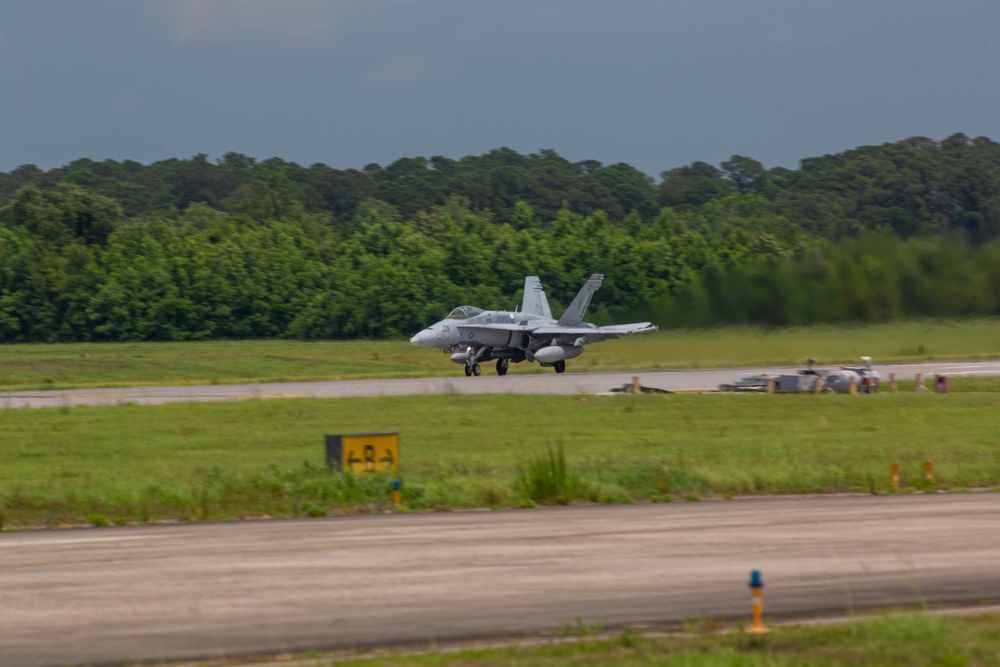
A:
(472, 334)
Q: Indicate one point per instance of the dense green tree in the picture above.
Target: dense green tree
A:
(689, 187)
(189, 249)
(747, 175)
(62, 215)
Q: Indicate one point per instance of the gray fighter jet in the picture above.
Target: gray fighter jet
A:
(472, 334)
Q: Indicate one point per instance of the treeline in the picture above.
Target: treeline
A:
(914, 187)
(73, 267)
(190, 249)
(875, 278)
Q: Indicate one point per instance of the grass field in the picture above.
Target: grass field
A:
(223, 461)
(132, 463)
(59, 366)
(915, 640)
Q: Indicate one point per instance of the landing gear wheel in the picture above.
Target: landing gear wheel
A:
(560, 366)
(502, 366)
(476, 370)
(468, 371)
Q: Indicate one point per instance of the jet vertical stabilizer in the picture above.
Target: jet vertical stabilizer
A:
(535, 302)
(574, 314)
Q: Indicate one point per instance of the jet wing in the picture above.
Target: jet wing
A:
(480, 328)
(553, 330)
(493, 335)
(618, 330)
(595, 334)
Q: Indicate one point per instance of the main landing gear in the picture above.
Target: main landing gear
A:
(473, 355)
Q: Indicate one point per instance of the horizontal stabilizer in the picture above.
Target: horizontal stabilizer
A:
(628, 329)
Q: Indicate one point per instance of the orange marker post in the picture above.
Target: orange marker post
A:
(756, 590)
(895, 475)
(929, 471)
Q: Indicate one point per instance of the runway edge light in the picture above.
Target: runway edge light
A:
(756, 590)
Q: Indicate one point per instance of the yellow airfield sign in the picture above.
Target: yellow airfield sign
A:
(363, 452)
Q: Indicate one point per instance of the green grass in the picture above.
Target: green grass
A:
(75, 365)
(885, 343)
(230, 460)
(914, 640)
(139, 364)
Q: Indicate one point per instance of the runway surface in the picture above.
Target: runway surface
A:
(211, 590)
(488, 383)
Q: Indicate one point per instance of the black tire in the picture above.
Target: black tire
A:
(476, 370)
(502, 366)
(468, 371)
(560, 366)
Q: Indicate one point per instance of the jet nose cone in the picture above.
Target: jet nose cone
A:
(426, 338)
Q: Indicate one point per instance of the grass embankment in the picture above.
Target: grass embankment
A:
(900, 641)
(222, 362)
(230, 460)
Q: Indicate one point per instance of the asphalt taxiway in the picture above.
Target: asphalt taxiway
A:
(488, 383)
(159, 593)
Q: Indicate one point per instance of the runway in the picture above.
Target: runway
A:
(93, 596)
(548, 383)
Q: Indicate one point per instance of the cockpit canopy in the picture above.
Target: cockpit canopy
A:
(464, 313)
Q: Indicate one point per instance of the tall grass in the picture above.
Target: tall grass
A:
(547, 480)
(307, 490)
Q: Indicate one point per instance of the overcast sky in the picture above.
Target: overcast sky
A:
(654, 83)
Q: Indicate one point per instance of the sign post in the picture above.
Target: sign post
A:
(363, 452)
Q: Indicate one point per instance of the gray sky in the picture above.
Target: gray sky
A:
(653, 83)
